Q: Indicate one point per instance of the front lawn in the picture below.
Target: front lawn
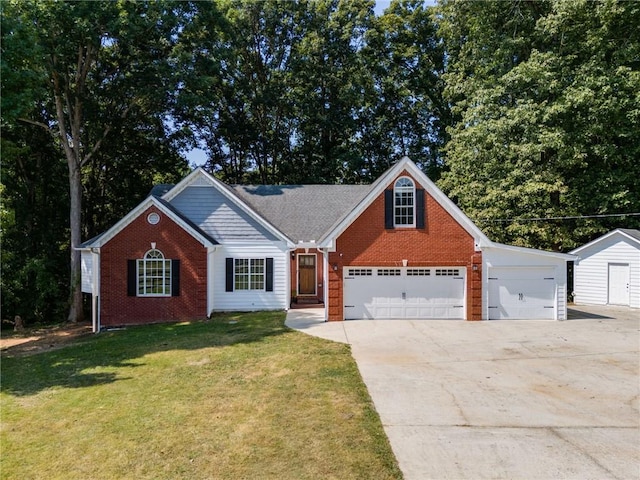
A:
(237, 397)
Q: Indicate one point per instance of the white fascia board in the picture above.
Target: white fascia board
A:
(137, 211)
(200, 173)
(530, 251)
(381, 184)
(612, 233)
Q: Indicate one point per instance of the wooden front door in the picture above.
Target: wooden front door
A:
(306, 274)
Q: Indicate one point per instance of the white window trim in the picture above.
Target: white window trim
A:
(141, 263)
(248, 275)
(413, 206)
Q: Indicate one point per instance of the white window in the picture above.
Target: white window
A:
(154, 275)
(404, 193)
(249, 274)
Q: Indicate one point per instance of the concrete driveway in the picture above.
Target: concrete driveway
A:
(502, 399)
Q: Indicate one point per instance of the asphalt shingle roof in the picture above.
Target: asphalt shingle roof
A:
(302, 212)
(631, 232)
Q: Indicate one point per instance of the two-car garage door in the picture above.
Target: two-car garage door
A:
(390, 293)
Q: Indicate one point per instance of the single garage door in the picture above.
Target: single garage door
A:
(522, 293)
(384, 293)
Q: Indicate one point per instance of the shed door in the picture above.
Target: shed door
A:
(619, 283)
(522, 293)
(399, 293)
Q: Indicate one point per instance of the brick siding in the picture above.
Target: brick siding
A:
(443, 242)
(132, 243)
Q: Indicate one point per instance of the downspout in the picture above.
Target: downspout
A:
(211, 250)
(325, 279)
(95, 290)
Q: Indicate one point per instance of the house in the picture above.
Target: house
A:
(607, 271)
(398, 248)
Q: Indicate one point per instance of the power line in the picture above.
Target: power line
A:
(544, 219)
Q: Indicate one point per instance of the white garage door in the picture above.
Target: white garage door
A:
(384, 293)
(522, 293)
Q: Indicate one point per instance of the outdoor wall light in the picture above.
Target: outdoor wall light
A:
(335, 266)
(475, 268)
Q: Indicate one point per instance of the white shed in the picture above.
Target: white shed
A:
(607, 271)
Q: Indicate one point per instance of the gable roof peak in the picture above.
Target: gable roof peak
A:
(628, 233)
(380, 185)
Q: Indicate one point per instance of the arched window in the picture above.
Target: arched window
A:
(404, 193)
(154, 275)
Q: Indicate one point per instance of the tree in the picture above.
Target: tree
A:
(404, 114)
(103, 62)
(535, 89)
(329, 80)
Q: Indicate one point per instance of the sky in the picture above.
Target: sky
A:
(198, 156)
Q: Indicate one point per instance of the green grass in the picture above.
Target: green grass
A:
(199, 400)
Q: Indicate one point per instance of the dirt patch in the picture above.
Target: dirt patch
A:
(36, 340)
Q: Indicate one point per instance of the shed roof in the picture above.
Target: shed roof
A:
(629, 233)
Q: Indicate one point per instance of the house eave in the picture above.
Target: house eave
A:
(102, 239)
(530, 251)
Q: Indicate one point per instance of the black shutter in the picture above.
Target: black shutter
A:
(388, 209)
(268, 277)
(229, 275)
(132, 278)
(419, 208)
(175, 278)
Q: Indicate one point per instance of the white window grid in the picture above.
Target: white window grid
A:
(249, 273)
(154, 275)
(404, 202)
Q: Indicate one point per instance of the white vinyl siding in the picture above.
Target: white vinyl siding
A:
(591, 272)
(87, 271)
(526, 261)
(250, 300)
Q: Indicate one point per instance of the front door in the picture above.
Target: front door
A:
(619, 283)
(306, 274)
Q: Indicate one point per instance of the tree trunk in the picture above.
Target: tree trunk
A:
(75, 212)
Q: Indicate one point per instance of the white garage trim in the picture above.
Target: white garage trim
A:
(522, 292)
(404, 292)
